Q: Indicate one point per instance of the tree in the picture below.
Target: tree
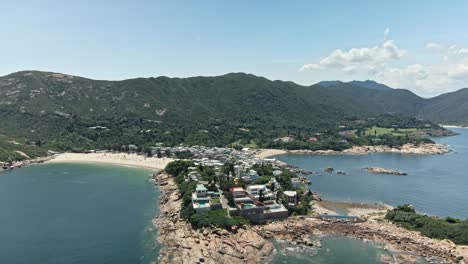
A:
(261, 197)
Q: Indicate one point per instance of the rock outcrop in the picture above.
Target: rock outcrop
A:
(183, 244)
(421, 149)
(379, 170)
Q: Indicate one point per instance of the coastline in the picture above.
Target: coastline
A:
(183, 244)
(19, 164)
(252, 244)
(404, 245)
(453, 126)
(422, 149)
(120, 159)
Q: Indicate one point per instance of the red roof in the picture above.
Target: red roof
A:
(237, 189)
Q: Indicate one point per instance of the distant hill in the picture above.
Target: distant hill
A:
(65, 110)
(365, 84)
(449, 108)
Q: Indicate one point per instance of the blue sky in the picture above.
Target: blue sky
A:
(419, 45)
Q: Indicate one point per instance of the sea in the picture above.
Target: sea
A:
(436, 184)
(97, 214)
(77, 214)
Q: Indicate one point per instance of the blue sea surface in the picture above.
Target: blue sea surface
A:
(436, 184)
(77, 214)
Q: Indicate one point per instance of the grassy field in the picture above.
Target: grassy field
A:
(396, 132)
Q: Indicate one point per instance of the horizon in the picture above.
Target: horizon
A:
(402, 48)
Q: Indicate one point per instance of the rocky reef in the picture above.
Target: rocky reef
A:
(379, 170)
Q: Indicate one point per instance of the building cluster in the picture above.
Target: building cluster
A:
(257, 203)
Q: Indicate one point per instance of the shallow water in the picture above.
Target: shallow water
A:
(77, 213)
(334, 249)
(436, 184)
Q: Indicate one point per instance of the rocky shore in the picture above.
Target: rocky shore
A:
(183, 244)
(379, 170)
(421, 149)
(403, 244)
(19, 164)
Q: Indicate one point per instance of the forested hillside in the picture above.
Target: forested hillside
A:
(67, 112)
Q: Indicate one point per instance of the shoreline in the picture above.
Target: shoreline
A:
(422, 149)
(22, 163)
(453, 126)
(180, 242)
(119, 159)
(183, 244)
(252, 244)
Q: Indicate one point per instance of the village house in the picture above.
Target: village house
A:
(204, 200)
(248, 206)
(273, 184)
(200, 199)
(296, 183)
(291, 197)
(257, 190)
(193, 176)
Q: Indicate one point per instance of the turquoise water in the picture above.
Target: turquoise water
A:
(76, 213)
(436, 184)
(334, 250)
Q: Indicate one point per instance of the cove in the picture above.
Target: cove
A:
(77, 213)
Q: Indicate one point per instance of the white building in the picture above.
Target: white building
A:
(255, 191)
(296, 183)
(200, 199)
(240, 171)
(291, 197)
(275, 185)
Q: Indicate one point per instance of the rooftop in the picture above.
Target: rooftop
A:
(237, 189)
(200, 187)
(290, 193)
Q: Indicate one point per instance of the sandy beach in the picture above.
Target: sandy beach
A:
(266, 153)
(121, 159)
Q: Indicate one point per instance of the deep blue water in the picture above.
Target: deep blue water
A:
(76, 213)
(436, 184)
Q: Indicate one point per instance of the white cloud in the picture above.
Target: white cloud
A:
(434, 46)
(359, 58)
(448, 70)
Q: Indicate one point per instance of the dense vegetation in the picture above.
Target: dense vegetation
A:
(69, 113)
(11, 150)
(449, 228)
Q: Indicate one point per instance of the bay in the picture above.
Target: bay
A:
(436, 184)
(77, 213)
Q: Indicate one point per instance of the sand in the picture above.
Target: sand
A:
(265, 153)
(122, 159)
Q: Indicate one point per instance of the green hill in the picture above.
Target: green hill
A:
(72, 113)
(450, 108)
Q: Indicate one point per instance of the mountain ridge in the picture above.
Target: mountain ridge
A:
(37, 105)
